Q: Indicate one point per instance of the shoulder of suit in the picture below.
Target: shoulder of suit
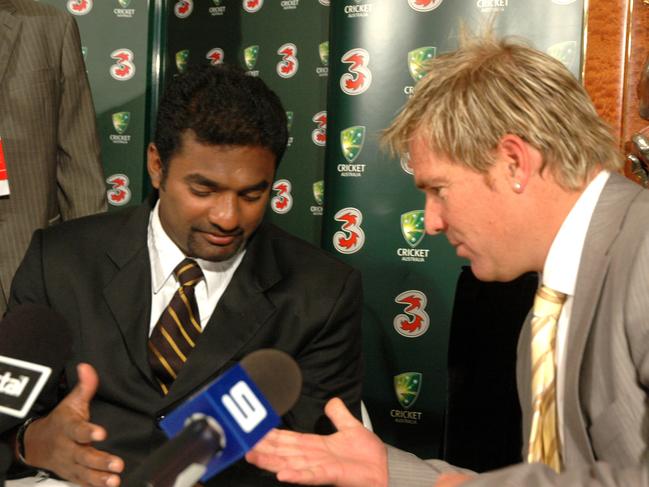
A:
(29, 8)
(299, 251)
(100, 224)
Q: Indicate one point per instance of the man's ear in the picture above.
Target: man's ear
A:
(520, 160)
(154, 166)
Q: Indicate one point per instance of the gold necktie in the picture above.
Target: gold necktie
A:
(544, 436)
(176, 333)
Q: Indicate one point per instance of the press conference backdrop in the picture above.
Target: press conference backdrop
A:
(343, 69)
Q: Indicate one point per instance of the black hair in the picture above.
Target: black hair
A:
(221, 105)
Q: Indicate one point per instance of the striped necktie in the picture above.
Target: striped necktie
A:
(544, 437)
(176, 333)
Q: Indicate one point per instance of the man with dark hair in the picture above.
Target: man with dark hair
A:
(115, 278)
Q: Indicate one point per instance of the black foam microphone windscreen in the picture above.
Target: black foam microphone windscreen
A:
(277, 376)
(33, 338)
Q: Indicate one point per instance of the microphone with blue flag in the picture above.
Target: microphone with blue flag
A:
(224, 420)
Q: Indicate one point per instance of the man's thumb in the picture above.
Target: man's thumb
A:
(85, 389)
(339, 415)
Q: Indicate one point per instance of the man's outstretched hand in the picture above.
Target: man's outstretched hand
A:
(352, 457)
(61, 442)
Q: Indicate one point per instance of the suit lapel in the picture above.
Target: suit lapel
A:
(9, 27)
(611, 207)
(242, 310)
(128, 294)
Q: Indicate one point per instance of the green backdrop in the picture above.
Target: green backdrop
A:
(343, 69)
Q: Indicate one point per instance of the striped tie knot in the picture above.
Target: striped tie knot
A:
(188, 273)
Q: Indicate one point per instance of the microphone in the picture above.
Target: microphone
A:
(5, 462)
(34, 347)
(220, 423)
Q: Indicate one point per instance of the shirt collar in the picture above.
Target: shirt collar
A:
(562, 263)
(165, 256)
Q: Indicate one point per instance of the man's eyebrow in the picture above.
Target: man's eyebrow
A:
(213, 185)
(260, 186)
(201, 180)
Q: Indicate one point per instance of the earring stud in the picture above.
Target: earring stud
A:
(517, 186)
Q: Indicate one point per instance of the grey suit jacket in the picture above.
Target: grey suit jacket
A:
(47, 126)
(606, 405)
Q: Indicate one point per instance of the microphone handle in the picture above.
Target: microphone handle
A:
(181, 461)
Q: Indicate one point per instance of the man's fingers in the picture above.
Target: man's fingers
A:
(311, 476)
(97, 460)
(340, 416)
(83, 432)
(93, 478)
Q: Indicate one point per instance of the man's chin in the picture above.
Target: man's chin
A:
(215, 253)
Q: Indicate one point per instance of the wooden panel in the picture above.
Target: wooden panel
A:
(604, 76)
(638, 42)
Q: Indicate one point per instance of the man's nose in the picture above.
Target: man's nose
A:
(224, 212)
(433, 221)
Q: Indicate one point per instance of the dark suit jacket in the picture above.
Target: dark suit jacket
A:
(606, 390)
(47, 125)
(286, 294)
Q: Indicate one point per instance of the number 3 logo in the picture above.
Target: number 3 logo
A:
(351, 237)
(123, 69)
(287, 67)
(282, 202)
(416, 321)
(120, 194)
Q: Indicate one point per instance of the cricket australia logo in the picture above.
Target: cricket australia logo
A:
(323, 53)
(182, 59)
(415, 321)
(407, 387)
(288, 66)
(565, 52)
(358, 78)
(120, 124)
(282, 202)
(250, 54)
(184, 8)
(123, 69)
(351, 144)
(412, 227)
(252, 6)
(218, 8)
(318, 196)
(350, 238)
(319, 134)
(215, 56)
(289, 127)
(424, 5)
(119, 194)
(413, 231)
(123, 11)
(79, 7)
(418, 59)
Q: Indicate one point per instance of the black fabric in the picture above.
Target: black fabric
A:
(483, 416)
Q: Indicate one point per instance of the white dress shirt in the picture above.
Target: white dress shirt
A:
(561, 268)
(165, 255)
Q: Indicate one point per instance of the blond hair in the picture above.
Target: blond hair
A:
(488, 88)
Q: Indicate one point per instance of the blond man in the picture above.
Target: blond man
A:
(521, 175)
